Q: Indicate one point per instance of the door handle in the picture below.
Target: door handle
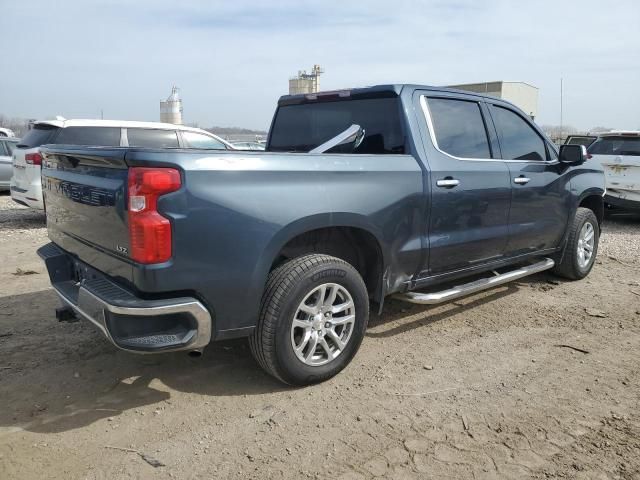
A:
(521, 180)
(448, 182)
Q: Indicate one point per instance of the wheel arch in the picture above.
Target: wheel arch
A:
(347, 236)
(594, 201)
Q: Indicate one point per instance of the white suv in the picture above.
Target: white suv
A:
(6, 132)
(26, 188)
(619, 154)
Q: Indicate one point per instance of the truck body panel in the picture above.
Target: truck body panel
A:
(227, 225)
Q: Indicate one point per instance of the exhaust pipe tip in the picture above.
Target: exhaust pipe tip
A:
(195, 353)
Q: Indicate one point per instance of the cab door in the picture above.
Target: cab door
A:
(470, 187)
(540, 201)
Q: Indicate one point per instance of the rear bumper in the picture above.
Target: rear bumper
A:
(622, 203)
(31, 197)
(129, 322)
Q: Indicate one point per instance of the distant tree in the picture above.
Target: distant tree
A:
(234, 131)
(20, 126)
(558, 131)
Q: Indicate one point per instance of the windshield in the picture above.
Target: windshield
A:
(616, 146)
(38, 135)
(300, 128)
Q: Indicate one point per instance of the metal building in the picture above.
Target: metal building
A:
(306, 82)
(521, 94)
(171, 109)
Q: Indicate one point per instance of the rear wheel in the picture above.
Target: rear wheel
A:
(582, 246)
(313, 317)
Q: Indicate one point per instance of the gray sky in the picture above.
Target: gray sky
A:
(232, 60)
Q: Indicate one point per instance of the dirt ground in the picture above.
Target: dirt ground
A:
(485, 387)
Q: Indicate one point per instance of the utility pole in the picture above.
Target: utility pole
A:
(101, 114)
(561, 112)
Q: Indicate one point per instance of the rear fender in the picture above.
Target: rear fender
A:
(315, 222)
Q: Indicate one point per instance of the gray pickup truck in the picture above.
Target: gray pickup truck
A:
(423, 193)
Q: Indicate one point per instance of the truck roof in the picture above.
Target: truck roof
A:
(374, 91)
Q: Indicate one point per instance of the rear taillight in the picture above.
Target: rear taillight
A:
(150, 232)
(33, 158)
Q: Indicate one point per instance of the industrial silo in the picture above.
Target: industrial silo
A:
(306, 82)
(171, 109)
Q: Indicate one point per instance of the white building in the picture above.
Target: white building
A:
(521, 94)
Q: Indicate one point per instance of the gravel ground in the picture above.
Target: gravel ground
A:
(536, 379)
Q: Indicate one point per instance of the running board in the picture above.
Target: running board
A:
(475, 286)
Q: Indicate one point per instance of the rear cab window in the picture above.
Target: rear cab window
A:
(616, 145)
(302, 127)
(152, 138)
(38, 135)
(458, 127)
(90, 136)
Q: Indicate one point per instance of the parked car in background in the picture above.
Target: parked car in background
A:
(361, 194)
(249, 145)
(619, 154)
(7, 144)
(585, 140)
(26, 187)
(6, 132)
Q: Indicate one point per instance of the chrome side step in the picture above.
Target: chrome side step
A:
(475, 286)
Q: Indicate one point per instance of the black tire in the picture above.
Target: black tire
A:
(569, 267)
(287, 286)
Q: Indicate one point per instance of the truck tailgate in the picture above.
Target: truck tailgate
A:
(85, 199)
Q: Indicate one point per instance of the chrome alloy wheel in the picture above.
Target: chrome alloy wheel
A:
(586, 244)
(323, 324)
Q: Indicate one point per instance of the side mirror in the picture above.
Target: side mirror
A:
(350, 139)
(573, 154)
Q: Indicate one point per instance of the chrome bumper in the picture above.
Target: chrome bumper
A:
(127, 321)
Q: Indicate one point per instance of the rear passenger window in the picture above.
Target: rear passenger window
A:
(143, 137)
(518, 140)
(459, 128)
(93, 136)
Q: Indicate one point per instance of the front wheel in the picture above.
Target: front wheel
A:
(313, 316)
(582, 246)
